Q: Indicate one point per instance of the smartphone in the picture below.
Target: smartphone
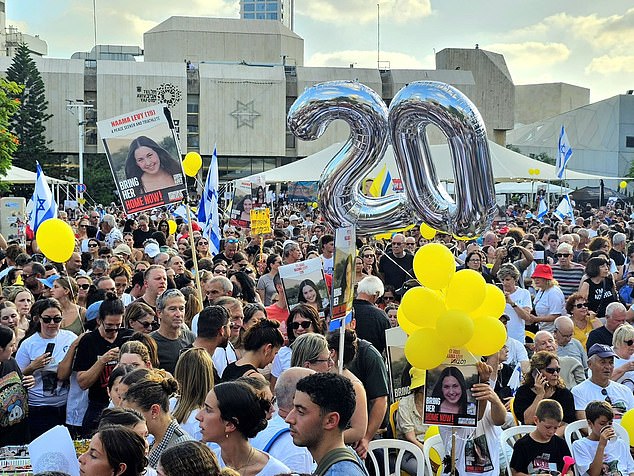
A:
(49, 348)
(538, 255)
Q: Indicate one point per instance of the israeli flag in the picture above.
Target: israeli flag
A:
(180, 212)
(542, 211)
(564, 152)
(208, 215)
(44, 207)
(564, 209)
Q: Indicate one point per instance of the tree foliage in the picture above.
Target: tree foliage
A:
(8, 142)
(100, 185)
(28, 123)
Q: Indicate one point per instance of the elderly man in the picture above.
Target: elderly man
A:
(276, 438)
(615, 316)
(600, 386)
(224, 356)
(569, 346)
(372, 322)
(571, 369)
(395, 265)
(216, 287)
(112, 235)
(73, 265)
(291, 253)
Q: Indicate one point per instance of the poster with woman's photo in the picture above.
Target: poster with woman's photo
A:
(242, 205)
(342, 280)
(448, 398)
(258, 191)
(144, 158)
(304, 283)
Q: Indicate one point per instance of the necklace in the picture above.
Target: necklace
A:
(248, 463)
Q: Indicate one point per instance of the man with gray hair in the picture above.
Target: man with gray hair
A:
(372, 322)
(571, 370)
(112, 235)
(276, 438)
(171, 338)
(615, 316)
(568, 346)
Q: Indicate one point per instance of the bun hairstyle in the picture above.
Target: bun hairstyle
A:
(262, 333)
(152, 390)
(239, 404)
(111, 306)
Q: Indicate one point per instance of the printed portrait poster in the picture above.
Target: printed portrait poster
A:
(144, 158)
(397, 365)
(448, 398)
(258, 191)
(242, 205)
(304, 283)
(342, 281)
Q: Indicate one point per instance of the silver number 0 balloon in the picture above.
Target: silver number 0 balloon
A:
(414, 107)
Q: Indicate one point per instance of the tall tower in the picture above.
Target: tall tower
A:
(280, 10)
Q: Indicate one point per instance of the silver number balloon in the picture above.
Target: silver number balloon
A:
(340, 198)
(429, 102)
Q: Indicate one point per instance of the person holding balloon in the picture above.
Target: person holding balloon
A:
(152, 165)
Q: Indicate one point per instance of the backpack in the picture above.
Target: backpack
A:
(336, 456)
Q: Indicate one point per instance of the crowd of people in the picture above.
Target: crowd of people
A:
(121, 346)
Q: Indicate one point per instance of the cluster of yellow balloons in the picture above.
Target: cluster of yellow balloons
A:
(192, 163)
(56, 240)
(451, 309)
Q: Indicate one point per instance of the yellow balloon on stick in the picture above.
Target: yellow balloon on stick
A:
(493, 304)
(455, 328)
(425, 350)
(489, 335)
(192, 163)
(422, 306)
(466, 290)
(56, 240)
(434, 265)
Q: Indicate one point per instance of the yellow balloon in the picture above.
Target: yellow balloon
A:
(493, 304)
(537, 171)
(425, 350)
(432, 431)
(623, 184)
(434, 265)
(422, 306)
(427, 231)
(466, 290)
(489, 335)
(455, 328)
(172, 226)
(56, 240)
(192, 163)
(627, 422)
(408, 327)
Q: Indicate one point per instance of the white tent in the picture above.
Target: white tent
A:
(22, 176)
(508, 166)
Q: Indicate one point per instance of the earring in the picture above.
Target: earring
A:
(226, 435)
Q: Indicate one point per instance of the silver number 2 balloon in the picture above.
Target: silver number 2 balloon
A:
(425, 199)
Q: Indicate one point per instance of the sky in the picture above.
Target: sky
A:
(585, 43)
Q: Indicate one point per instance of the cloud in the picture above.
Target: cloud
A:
(363, 11)
(367, 59)
(607, 65)
(531, 53)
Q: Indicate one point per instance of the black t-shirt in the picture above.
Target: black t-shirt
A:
(140, 236)
(234, 372)
(532, 457)
(371, 323)
(90, 348)
(396, 275)
(618, 257)
(13, 405)
(524, 398)
(369, 367)
(169, 350)
(600, 335)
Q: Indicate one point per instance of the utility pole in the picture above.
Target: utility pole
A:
(79, 106)
(378, 35)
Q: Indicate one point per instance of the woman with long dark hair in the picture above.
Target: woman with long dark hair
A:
(309, 294)
(114, 451)
(266, 286)
(451, 389)
(151, 164)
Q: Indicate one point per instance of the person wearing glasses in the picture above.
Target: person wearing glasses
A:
(230, 248)
(584, 321)
(567, 345)
(567, 273)
(368, 255)
(623, 346)
(40, 355)
(600, 385)
(395, 265)
(541, 382)
(202, 248)
(83, 286)
(97, 355)
(93, 248)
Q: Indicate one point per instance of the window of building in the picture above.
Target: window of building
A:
(271, 16)
(271, 7)
(260, 7)
(248, 7)
(249, 16)
(629, 141)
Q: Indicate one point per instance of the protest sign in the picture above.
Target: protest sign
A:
(342, 281)
(242, 205)
(448, 398)
(304, 283)
(260, 221)
(397, 364)
(303, 192)
(144, 158)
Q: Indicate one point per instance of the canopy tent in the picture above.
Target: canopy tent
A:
(592, 195)
(505, 188)
(22, 176)
(508, 166)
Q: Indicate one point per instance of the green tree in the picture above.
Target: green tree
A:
(543, 157)
(100, 185)
(8, 142)
(28, 123)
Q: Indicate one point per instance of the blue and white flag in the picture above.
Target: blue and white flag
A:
(208, 208)
(180, 212)
(44, 206)
(564, 152)
(542, 211)
(564, 209)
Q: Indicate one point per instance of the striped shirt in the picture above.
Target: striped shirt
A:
(568, 278)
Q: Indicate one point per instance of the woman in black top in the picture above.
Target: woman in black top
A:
(543, 381)
(599, 286)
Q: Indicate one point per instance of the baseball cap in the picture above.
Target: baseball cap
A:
(601, 350)
(152, 250)
(122, 249)
(93, 311)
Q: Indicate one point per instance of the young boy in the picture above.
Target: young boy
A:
(541, 451)
(601, 453)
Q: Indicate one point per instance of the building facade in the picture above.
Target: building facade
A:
(280, 10)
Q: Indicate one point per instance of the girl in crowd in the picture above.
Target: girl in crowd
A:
(114, 390)
(151, 164)
(253, 313)
(266, 287)
(233, 413)
(477, 261)
(370, 265)
(202, 248)
(65, 291)
(585, 322)
(598, 287)
(134, 354)
(391, 310)
(191, 457)
(247, 287)
(451, 389)
(150, 397)
(114, 451)
(140, 317)
(42, 355)
(148, 341)
(23, 300)
(245, 207)
(83, 285)
(93, 248)
(194, 374)
(10, 318)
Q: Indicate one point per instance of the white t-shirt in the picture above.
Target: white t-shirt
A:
(620, 396)
(281, 362)
(48, 390)
(190, 425)
(328, 264)
(223, 357)
(627, 378)
(515, 327)
(551, 301)
(517, 352)
(616, 456)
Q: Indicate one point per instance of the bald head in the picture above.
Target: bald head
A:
(285, 387)
(564, 330)
(544, 340)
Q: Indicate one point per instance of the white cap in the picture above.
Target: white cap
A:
(152, 250)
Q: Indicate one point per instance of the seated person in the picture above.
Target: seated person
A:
(541, 451)
(601, 452)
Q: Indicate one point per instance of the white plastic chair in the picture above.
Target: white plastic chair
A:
(573, 433)
(433, 443)
(402, 446)
(507, 441)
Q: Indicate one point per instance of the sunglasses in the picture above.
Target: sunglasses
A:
(563, 255)
(92, 245)
(233, 240)
(368, 256)
(552, 370)
(581, 305)
(303, 324)
(85, 287)
(629, 342)
(220, 271)
(202, 243)
(146, 324)
(47, 320)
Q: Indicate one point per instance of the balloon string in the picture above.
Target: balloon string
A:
(403, 269)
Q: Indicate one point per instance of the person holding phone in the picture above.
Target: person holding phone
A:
(40, 355)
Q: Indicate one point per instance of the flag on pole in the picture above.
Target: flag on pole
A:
(564, 152)
(381, 184)
(564, 209)
(44, 206)
(208, 215)
(180, 212)
(542, 210)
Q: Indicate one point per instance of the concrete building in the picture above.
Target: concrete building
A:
(11, 38)
(536, 102)
(280, 10)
